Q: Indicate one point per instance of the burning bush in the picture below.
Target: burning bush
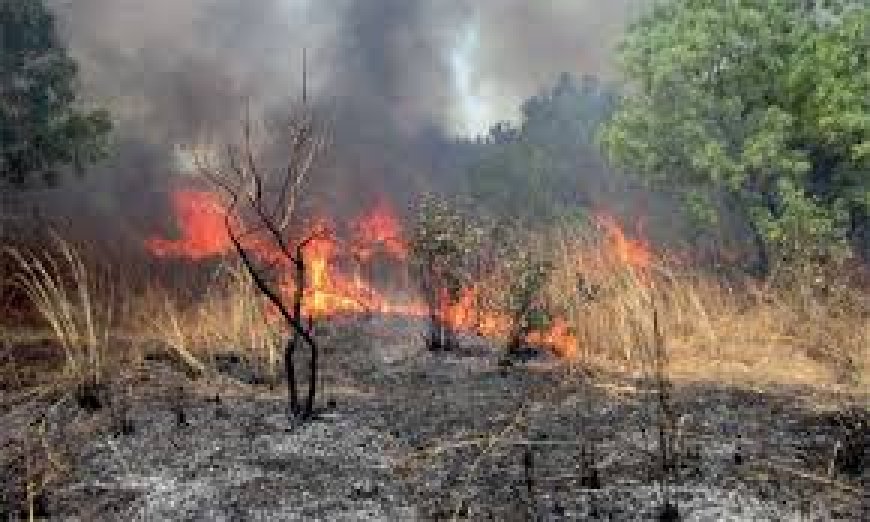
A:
(443, 243)
(485, 276)
(516, 269)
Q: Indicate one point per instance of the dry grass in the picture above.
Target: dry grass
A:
(75, 303)
(739, 332)
(229, 317)
(715, 330)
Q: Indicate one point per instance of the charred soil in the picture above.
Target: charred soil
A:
(404, 434)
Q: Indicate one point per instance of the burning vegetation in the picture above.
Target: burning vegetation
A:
(446, 252)
(630, 303)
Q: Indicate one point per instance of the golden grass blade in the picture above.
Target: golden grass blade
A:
(72, 315)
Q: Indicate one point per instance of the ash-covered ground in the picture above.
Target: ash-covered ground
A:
(410, 435)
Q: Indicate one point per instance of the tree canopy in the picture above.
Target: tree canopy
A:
(42, 124)
(539, 166)
(763, 102)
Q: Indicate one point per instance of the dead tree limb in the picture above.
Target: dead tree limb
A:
(261, 223)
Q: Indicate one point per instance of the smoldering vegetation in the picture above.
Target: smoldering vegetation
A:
(422, 286)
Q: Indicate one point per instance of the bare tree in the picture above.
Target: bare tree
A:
(264, 227)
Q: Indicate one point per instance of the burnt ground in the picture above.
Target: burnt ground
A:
(410, 435)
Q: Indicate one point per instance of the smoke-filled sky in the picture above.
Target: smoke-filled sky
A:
(180, 67)
(398, 76)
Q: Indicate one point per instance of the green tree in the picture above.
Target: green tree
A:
(762, 102)
(42, 126)
(544, 166)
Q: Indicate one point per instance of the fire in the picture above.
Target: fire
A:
(331, 290)
(317, 257)
(559, 338)
(635, 254)
(379, 228)
(201, 220)
(465, 314)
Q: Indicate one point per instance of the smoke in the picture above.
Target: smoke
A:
(172, 70)
(181, 66)
(398, 73)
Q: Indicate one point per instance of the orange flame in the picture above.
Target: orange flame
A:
(635, 254)
(330, 291)
(201, 219)
(559, 338)
(379, 228)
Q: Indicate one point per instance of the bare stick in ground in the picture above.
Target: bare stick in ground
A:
(669, 511)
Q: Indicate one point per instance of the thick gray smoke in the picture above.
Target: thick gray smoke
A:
(179, 66)
(396, 72)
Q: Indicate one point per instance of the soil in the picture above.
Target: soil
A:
(405, 434)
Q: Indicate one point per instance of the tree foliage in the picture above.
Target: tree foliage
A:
(764, 102)
(42, 125)
(538, 167)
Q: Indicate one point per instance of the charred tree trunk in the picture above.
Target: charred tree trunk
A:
(436, 339)
(312, 384)
(521, 329)
(761, 269)
(268, 199)
(299, 294)
(440, 335)
(440, 332)
(293, 343)
(762, 265)
(448, 340)
(290, 370)
(517, 339)
(300, 332)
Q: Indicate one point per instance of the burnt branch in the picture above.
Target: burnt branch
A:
(261, 214)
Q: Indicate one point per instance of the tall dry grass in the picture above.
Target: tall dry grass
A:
(716, 327)
(74, 301)
(230, 316)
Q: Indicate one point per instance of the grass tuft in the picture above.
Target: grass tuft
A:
(72, 302)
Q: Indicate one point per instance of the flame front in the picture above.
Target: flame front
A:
(636, 254)
(379, 229)
(201, 221)
(335, 270)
